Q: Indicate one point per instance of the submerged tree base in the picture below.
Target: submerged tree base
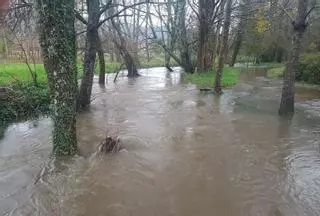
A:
(110, 145)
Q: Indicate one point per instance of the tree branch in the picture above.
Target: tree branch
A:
(120, 11)
(17, 7)
(105, 7)
(284, 10)
(80, 18)
(311, 9)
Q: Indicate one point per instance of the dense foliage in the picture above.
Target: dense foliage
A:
(22, 100)
(309, 69)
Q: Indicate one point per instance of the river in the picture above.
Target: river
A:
(187, 153)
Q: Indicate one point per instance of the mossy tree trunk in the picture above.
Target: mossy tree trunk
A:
(58, 44)
(224, 46)
(292, 66)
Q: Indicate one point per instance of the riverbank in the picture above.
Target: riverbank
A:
(230, 77)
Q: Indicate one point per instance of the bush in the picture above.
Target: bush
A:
(309, 68)
(22, 100)
(276, 72)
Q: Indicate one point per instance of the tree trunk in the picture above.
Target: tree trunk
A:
(245, 4)
(204, 56)
(216, 36)
(84, 98)
(102, 65)
(184, 52)
(88, 67)
(237, 44)
(58, 44)
(292, 66)
(122, 47)
(224, 47)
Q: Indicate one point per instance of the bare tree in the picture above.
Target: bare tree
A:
(224, 46)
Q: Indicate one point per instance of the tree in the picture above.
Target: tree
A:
(244, 6)
(299, 25)
(224, 46)
(207, 14)
(84, 97)
(184, 46)
(58, 44)
(95, 11)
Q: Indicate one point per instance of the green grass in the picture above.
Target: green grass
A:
(10, 73)
(275, 72)
(229, 78)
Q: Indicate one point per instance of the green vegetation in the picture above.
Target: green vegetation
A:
(229, 78)
(112, 67)
(12, 73)
(21, 101)
(309, 69)
(275, 72)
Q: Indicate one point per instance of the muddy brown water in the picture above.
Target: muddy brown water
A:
(188, 153)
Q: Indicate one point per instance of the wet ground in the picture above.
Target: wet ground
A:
(188, 153)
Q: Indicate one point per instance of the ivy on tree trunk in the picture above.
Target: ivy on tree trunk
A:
(58, 44)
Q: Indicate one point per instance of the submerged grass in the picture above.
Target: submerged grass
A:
(229, 78)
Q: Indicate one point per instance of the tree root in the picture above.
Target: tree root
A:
(109, 145)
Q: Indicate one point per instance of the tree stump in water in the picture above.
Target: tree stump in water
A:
(110, 145)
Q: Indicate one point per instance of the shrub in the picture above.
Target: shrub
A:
(276, 72)
(22, 100)
(309, 68)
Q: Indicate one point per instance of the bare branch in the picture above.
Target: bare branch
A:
(311, 9)
(105, 7)
(19, 6)
(287, 13)
(120, 11)
(80, 18)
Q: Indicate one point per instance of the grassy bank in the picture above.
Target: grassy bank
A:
(229, 78)
(12, 73)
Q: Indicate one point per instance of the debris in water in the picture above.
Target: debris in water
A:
(110, 145)
(206, 89)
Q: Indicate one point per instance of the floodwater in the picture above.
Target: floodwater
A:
(187, 153)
